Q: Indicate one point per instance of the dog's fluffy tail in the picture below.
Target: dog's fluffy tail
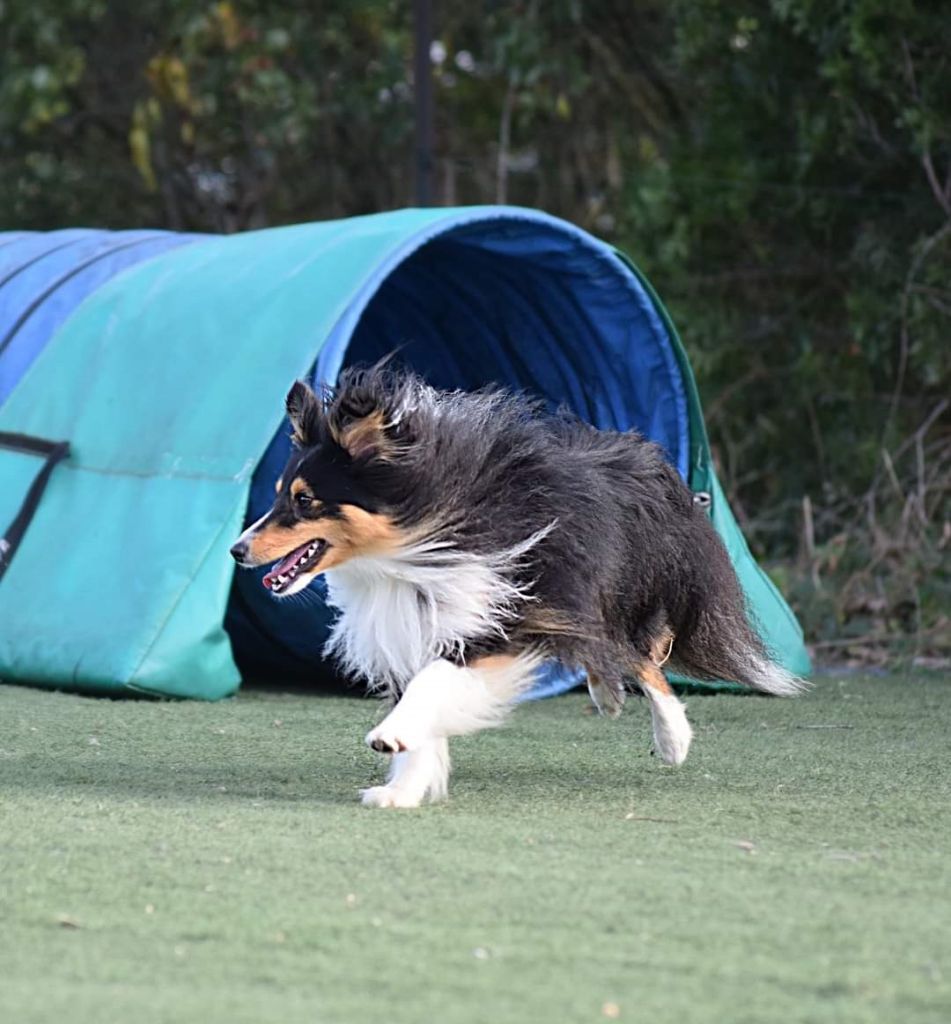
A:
(717, 640)
(758, 671)
(723, 646)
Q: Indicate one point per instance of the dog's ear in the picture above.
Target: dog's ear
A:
(367, 414)
(363, 437)
(303, 410)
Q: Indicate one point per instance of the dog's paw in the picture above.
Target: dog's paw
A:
(672, 732)
(398, 734)
(389, 796)
(384, 741)
(672, 742)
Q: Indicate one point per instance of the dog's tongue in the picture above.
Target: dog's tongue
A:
(282, 567)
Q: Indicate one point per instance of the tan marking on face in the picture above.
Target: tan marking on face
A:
(356, 532)
(298, 486)
(272, 542)
(370, 533)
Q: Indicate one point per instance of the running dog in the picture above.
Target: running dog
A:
(468, 537)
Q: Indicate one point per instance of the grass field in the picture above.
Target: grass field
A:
(209, 863)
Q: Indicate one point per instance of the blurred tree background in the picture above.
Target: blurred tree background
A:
(781, 169)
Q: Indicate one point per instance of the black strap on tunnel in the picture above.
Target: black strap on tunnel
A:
(51, 452)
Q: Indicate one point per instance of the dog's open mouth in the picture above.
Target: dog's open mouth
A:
(291, 566)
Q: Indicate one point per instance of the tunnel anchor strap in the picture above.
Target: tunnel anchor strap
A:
(51, 452)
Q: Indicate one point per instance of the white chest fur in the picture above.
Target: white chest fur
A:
(399, 613)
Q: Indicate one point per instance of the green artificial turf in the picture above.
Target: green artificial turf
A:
(209, 863)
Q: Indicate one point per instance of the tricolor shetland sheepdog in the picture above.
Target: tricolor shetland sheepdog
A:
(467, 538)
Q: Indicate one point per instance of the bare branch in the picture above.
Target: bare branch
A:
(942, 195)
(923, 252)
(505, 141)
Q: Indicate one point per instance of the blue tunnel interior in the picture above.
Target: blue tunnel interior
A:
(528, 304)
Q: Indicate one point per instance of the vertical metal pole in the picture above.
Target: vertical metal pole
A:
(423, 86)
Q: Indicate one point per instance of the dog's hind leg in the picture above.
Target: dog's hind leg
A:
(441, 701)
(607, 694)
(672, 732)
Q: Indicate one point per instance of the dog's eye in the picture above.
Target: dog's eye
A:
(303, 501)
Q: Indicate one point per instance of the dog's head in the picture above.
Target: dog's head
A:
(335, 499)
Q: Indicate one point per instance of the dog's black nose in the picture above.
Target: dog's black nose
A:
(239, 550)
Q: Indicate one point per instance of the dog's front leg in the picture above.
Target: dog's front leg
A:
(414, 776)
(416, 734)
(442, 700)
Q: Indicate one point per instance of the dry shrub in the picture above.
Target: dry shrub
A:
(872, 582)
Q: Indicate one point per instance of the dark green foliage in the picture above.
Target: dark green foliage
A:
(800, 227)
(782, 171)
(214, 116)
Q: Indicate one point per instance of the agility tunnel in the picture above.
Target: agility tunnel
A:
(142, 377)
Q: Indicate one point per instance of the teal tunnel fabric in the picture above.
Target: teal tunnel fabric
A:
(44, 277)
(481, 299)
(163, 361)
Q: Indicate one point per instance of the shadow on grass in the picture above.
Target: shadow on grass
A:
(224, 782)
(287, 781)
